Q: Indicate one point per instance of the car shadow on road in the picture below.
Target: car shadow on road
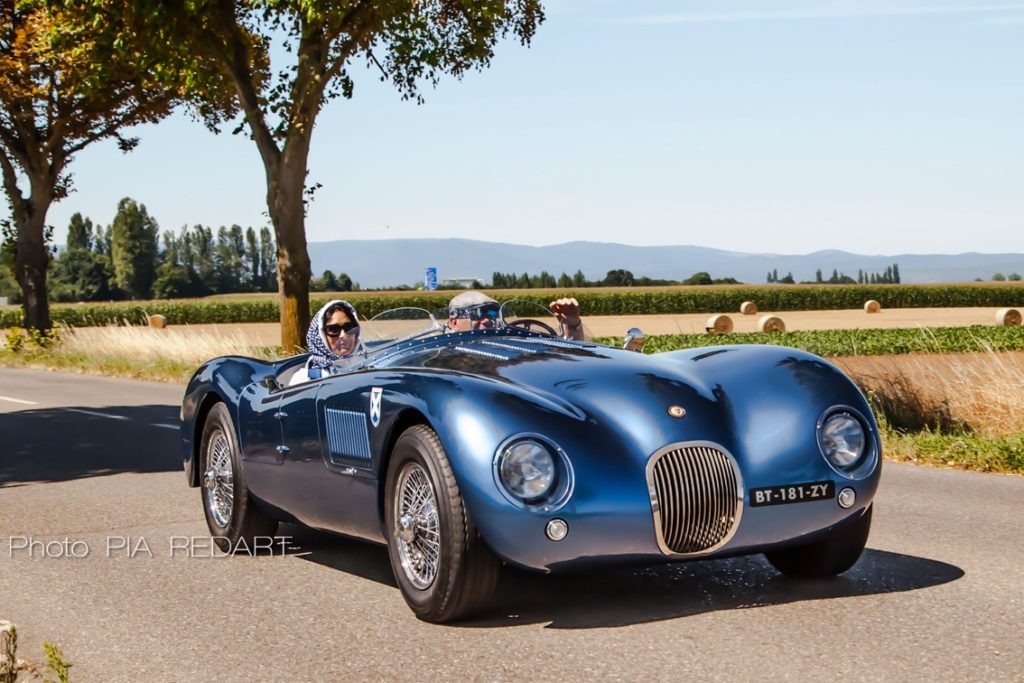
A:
(60, 444)
(640, 595)
(349, 555)
(685, 589)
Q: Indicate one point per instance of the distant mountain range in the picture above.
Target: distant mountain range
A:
(376, 263)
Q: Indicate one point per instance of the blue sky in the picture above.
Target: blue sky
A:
(871, 126)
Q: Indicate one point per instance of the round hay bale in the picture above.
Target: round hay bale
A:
(158, 321)
(719, 324)
(872, 306)
(748, 308)
(1007, 317)
(771, 323)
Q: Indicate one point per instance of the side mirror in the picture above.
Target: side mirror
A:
(634, 340)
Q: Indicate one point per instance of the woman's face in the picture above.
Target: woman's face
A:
(344, 343)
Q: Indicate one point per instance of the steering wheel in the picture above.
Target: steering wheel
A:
(528, 324)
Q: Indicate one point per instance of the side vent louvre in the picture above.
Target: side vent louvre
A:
(347, 437)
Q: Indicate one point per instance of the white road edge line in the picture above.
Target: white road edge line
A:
(94, 413)
(165, 426)
(18, 400)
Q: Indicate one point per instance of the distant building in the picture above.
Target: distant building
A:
(462, 281)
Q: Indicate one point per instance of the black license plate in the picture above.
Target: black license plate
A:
(793, 493)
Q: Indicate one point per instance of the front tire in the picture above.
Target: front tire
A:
(443, 567)
(828, 556)
(231, 514)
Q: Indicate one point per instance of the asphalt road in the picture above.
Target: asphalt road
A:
(86, 462)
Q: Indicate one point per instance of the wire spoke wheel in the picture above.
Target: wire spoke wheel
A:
(417, 526)
(218, 480)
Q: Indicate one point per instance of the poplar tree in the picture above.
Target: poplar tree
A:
(133, 246)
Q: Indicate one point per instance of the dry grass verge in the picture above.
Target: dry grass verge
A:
(169, 355)
(960, 410)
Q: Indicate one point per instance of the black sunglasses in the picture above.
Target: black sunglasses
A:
(478, 312)
(335, 329)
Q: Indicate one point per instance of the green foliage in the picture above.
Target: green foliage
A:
(15, 340)
(701, 278)
(133, 246)
(56, 665)
(80, 233)
(858, 342)
(955, 448)
(81, 275)
(55, 671)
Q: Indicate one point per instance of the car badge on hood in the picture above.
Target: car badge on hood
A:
(375, 396)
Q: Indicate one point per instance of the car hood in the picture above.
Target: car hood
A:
(751, 399)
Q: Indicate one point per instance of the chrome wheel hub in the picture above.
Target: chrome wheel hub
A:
(417, 526)
(218, 480)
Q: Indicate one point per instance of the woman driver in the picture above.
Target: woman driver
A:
(333, 335)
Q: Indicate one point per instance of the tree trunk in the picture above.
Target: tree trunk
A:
(287, 211)
(31, 258)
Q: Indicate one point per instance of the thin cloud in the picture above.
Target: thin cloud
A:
(834, 12)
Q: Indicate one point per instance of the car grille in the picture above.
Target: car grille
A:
(696, 496)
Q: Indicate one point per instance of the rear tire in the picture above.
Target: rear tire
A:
(441, 564)
(828, 556)
(231, 514)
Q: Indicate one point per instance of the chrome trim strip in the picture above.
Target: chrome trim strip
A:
(656, 505)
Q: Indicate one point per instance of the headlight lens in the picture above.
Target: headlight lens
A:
(527, 469)
(843, 440)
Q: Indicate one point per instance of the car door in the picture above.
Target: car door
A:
(348, 484)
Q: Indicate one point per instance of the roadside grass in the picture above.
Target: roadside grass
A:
(959, 410)
(166, 355)
(950, 409)
(963, 450)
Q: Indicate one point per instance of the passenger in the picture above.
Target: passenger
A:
(333, 335)
(475, 310)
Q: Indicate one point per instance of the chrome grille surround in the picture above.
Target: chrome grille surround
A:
(696, 492)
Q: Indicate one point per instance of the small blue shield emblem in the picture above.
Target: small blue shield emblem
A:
(375, 395)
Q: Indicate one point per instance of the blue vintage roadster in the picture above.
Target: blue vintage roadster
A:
(463, 450)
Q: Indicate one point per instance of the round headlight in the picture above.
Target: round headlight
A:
(527, 469)
(843, 440)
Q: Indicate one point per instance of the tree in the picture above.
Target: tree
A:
(81, 274)
(564, 281)
(618, 278)
(64, 84)
(579, 279)
(1013, 277)
(79, 233)
(252, 260)
(999, 277)
(411, 42)
(133, 247)
(788, 280)
(896, 273)
(701, 278)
